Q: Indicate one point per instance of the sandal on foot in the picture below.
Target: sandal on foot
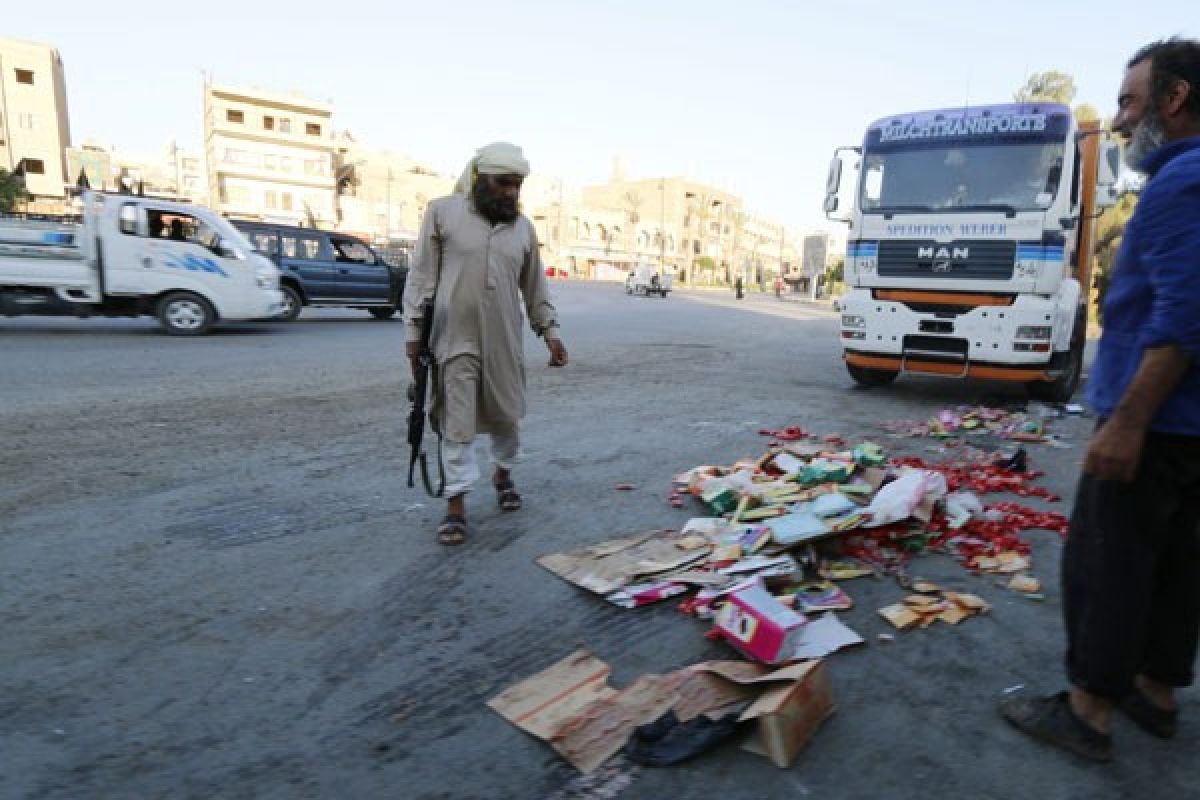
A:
(452, 531)
(1152, 719)
(506, 496)
(1052, 720)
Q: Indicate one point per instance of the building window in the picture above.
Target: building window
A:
(269, 161)
(191, 164)
(271, 199)
(233, 115)
(268, 123)
(312, 129)
(25, 120)
(35, 166)
(285, 125)
(312, 166)
(285, 164)
(287, 201)
(25, 76)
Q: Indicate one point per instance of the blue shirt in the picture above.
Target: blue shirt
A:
(1153, 298)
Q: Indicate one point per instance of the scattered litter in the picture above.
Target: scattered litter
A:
(1025, 583)
(886, 637)
(570, 705)
(825, 635)
(923, 609)
(974, 421)
(1016, 688)
(1073, 408)
(413, 507)
(624, 487)
(755, 622)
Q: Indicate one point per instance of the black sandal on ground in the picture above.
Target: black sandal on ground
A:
(1153, 720)
(1052, 720)
(453, 530)
(506, 495)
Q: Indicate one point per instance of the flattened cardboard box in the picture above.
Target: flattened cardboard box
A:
(571, 707)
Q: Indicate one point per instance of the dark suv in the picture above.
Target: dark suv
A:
(324, 268)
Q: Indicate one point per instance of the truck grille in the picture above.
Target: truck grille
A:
(972, 259)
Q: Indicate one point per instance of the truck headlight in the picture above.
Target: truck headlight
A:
(853, 321)
(1034, 332)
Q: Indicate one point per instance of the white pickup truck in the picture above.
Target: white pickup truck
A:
(133, 256)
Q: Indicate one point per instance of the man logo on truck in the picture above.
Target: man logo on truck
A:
(941, 259)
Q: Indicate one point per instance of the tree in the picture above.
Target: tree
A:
(1050, 86)
(11, 191)
(1085, 112)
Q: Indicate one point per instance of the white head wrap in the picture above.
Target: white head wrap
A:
(497, 158)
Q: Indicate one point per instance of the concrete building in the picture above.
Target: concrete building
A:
(698, 232)
(381, 195)
(35, 129)
(269, 155)
(92, 160)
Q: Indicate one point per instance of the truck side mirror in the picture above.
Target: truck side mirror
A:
(1108, 168)
(833, 185)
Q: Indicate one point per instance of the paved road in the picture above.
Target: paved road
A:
(213, 582)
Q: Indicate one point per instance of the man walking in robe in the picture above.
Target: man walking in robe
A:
(477, 257)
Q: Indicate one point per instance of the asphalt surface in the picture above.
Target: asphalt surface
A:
(214, 582)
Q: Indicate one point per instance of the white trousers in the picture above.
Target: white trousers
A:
(462, 468)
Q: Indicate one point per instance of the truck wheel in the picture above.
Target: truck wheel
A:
(865, 376)
(185, 314)
(382, 313)
(292, 303)
(1062, 389)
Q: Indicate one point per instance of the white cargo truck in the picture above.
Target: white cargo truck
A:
(132, 256)
(970, 244)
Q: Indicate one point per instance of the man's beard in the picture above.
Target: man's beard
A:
(1148, 136)
(495, 207)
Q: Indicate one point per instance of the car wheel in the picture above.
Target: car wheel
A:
(185, 314)
(292, 303)
(383, 313)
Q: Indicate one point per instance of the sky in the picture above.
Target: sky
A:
(751, 95)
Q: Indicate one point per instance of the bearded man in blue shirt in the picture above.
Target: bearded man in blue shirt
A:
(1131, 566)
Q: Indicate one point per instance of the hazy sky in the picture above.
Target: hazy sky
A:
(753, 95)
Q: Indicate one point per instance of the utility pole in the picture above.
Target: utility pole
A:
(558, 231)
(662, 226)
(387, 234)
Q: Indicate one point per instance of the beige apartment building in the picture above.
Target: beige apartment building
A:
(35, 129)
(270, 155)
(382, 195)
(699, 232)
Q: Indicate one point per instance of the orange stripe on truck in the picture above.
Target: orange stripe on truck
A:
(893, 364)
(943, 298)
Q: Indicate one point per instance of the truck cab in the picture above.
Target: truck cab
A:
(971, 235)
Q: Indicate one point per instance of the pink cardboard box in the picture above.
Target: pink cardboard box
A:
(758, 624)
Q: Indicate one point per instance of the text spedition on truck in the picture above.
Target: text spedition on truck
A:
(970, 244)
(132, 256)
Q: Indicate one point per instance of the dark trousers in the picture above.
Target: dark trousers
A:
(1131, 573)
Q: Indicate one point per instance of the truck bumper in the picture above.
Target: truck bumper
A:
(957, 335)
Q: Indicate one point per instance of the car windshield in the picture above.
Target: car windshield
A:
(994, 177)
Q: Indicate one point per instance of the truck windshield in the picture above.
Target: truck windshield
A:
(981, 177)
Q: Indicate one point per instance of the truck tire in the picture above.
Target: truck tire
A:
(867, 377)
(185, 314)
(1062, 389)
(385, 312)
(292, 303)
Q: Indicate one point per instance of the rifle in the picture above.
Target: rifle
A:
(426, 375)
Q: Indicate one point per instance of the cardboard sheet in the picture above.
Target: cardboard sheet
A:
(608, 566)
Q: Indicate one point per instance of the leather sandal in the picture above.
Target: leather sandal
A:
(506, 495)
(453, 530)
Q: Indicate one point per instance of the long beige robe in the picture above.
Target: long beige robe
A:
(485, 273)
